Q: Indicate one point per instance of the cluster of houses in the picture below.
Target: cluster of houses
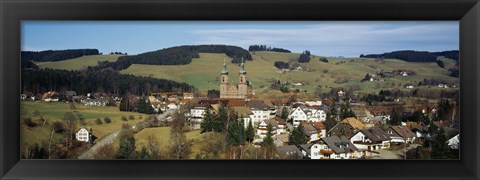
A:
(350, 138)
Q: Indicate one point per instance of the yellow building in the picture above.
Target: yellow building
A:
(234, 91)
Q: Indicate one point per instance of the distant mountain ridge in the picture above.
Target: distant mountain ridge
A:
(56, 55)
(415, 56)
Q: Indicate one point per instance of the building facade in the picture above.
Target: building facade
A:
(234, 91)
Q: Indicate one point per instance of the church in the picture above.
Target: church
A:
(234, 91)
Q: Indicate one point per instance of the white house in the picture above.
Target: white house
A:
(261, 110)
(371, 139)
(400, 134)
(334, 147)
(302, 114)
(278, 127)
(83, 135)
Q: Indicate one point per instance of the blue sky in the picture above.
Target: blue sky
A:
(325, 38)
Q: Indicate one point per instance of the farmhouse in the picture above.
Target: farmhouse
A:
(303, 114)
(400, 134)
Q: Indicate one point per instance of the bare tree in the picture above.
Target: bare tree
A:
(153, 147)
(106, 152)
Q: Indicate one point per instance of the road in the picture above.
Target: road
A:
(90, 153)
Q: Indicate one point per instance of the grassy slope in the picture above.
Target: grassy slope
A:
(163, 135)
(78, 63)
(55, 112)
(204, 71)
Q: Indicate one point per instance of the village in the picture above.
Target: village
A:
(334, 127)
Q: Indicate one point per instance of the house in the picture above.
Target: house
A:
(96, 102)
(70, 94)
(400, 134)
(347, 127)
(288, 152)
(420, 131)
(51, 96)
(188, 95)
(371, 139)
(303, 114)
(82, 135)
(306, 150)
(172, 105)
(262, 110)
(334, 147)
(262, 129)
(314, 130)
(281, 139)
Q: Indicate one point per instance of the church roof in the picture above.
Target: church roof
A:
(242, 67)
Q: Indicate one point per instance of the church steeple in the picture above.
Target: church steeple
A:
(224, 69)
(242, 67)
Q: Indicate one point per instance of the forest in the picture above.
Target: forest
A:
(56, 55)
(265, 48)
(106, 81)
(176, 56)
(415, 56)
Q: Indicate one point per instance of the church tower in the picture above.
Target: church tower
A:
(224, 80)
(242, 81)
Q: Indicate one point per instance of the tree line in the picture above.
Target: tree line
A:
(265, 48)
(179, 55)
(56, 55)
(110, 82)
(415, 56)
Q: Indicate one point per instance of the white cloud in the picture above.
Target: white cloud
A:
(348, 39)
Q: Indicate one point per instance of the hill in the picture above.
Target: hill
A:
(79, 63)
(204, 72)
(56, 55)
(415, 56)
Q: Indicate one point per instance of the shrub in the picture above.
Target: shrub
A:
(131, 117)
(98, 121)
(124, 118)
(323, 59)
(58, 127)
(28, 121)
(107, 120)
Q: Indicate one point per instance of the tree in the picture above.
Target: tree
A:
(180, 147)
(284, 114)
(345, 111)
(268, 143)
(106, 152)
(233, 133)
(144, 153)
(297, 136)
(153, 147)
(330, 121)
(440, 149)
(440, 63)
(212, 143)
(126, 148)
(250, 132)
(69, 119)
(208, 121)
(395, 118)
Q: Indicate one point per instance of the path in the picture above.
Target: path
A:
(90, 153)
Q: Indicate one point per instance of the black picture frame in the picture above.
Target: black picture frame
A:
(12, 12)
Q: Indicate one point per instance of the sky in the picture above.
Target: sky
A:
(323, 38)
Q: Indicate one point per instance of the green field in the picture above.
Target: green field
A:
(80, 63)
(204, 72)
(55, 111)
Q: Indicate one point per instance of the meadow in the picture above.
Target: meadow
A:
(204, 71)
(55, 111)
(80, 63)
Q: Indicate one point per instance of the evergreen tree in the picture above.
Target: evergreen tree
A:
(144, 153)
(395, 118)
(127, 145)
(233, 134)
(250, 134)
(208, 121)
(297, 136)
(241, 129)
(268, 140)
(223, 120)
(330, 121)
(284, 114)
(440, 149)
